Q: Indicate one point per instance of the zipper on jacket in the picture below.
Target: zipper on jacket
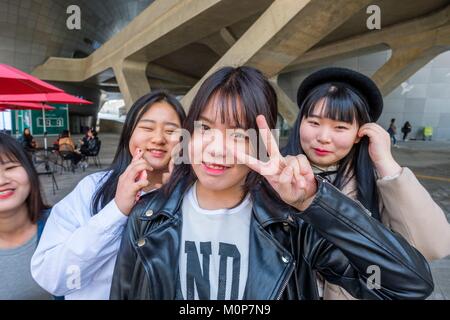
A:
(285, 283)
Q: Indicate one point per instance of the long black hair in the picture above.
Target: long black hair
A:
(243, 86)
(107, 191)
(342, 103)
(11, 150)
(65, 134)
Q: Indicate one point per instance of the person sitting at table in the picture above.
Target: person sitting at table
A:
(89, 146)
(89, 143)
(27, 141)
(66, 148)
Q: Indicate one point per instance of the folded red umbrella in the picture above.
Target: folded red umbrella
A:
(25, 106)
(15, 81)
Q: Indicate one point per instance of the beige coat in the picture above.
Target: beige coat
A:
(408, 209)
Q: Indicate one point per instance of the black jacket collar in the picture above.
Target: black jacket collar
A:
(266, 204)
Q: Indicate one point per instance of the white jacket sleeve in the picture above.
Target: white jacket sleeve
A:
(73, 239)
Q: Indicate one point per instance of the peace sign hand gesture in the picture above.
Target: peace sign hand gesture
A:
(291, 177)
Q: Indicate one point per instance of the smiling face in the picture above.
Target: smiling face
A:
(209, 153)
(156, 134)
(326, 141)
(14, 185)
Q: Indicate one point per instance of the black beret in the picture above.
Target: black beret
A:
(363, 85)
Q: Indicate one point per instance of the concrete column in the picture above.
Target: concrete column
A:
(132, 79)
(409, 54)
(284, 31)
(423, 32)
(162, 28)
(226, 35)
(286, 107)
(403, 63)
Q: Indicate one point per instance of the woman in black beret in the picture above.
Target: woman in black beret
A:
(336, 131)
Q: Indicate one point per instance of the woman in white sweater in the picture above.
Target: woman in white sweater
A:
(77, 252)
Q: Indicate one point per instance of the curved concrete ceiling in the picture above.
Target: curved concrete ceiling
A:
(33, 30)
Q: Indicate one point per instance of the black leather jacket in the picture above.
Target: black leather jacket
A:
(333, 237)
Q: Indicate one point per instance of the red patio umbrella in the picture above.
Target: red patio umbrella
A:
(25, 106)
(18, 86)
(52, 97)
(14, 81)
(22, 106)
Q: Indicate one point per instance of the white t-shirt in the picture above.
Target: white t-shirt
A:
(215, 241)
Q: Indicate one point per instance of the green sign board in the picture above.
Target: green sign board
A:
(55, 120)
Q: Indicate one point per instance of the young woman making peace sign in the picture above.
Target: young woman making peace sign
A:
(233, 230)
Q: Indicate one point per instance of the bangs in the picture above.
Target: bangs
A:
(337, 103)
(7, 155)
(230, 108)
(237, 96)
(333, 109)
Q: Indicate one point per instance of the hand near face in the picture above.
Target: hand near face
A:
(380, 149)
(132, 181)
(291, 177)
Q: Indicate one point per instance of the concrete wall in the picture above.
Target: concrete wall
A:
(110, 126)
(423, 100)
